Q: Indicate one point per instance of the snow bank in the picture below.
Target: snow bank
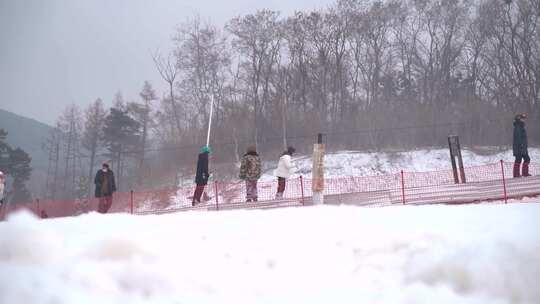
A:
(356, 163)
(428, 254)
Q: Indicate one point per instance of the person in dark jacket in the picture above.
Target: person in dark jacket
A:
(250, 171)
(201, 178)
(2, 185)
(520, 146)
(105, 187)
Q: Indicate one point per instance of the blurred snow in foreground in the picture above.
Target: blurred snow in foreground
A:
(427, 254)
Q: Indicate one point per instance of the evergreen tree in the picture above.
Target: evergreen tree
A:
(16, 164)
(4, 151)
(121, 135)
(20, 170)
(143, 114)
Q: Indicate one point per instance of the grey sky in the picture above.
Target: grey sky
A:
(57, 52)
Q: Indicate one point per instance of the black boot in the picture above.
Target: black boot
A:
(526, 169)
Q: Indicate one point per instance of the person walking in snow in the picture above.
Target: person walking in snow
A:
(520, 146)
(284, 170)
(201, 178)
(105, 187)
(2, 185)
(250, 171)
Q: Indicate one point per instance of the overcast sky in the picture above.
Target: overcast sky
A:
(57, 52)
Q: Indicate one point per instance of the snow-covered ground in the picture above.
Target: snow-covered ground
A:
(428, 254)
(356, 163)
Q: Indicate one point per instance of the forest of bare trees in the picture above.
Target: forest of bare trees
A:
(371, 75)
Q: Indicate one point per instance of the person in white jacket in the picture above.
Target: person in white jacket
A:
(284, 170)
(2, 184)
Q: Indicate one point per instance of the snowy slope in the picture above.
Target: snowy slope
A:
(355, 163)
(429, 254)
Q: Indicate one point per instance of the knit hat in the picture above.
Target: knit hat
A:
(206, 149)
(291, 150)
(251, 148)
(521, 116)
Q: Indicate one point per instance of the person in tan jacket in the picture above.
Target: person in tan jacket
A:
(250, 171)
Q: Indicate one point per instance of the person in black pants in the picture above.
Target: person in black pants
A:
(284, 170)
(105, 187)
(520, 146)
(2, 185)
(201, 178)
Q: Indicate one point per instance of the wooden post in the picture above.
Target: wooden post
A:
(131, 201)
(455, 151)
(317, 171)
(460, 162)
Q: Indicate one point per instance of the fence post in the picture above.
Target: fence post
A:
(131, 201)
(403, 187)
(38, 213)
(504, 182)
(216, 195)
(302, 189)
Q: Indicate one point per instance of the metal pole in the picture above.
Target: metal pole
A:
(302, 188)
(504, 183)
(210, 120)
(402, 187)
(216, 194)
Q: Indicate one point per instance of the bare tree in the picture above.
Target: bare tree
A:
(52, 147)
(92, 135)
(257, 37)
(202, 60)
(168, 70)
(142, 113)
(70, 124)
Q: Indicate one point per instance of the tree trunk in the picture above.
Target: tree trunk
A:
(284, 123)
(175, 111)
(91, 171)
(119, 168)
(143, 146)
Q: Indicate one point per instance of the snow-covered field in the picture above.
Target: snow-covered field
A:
(356, 163)
(428, 254)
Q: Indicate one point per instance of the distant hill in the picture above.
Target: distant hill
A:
(28, 134)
